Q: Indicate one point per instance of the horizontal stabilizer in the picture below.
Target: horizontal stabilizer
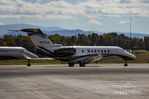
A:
(14, 30)
(42, 59)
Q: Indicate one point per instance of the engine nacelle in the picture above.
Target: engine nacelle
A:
(63, 52)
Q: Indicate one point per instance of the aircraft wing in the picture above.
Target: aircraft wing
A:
(87, 59)
(97, 58)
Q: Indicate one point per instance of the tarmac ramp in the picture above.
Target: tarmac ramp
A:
(96, 81)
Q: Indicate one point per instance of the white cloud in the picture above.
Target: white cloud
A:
(122, 22)
(38, 1)
(116, 8)
(63, 10)
(93, 21)
(54, 9)
(1, 23)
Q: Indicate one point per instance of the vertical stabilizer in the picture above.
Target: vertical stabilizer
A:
(39, 39)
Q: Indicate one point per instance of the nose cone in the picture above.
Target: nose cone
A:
(31, 55)
(130, 56)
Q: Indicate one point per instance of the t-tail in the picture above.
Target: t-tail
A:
(41, 40)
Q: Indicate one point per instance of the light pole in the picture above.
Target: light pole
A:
(130, 36)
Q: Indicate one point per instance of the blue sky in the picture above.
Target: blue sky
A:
(98, 15)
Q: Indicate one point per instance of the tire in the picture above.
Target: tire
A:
(28, 64)
(71, 64)
(82, 64)
(125, 65)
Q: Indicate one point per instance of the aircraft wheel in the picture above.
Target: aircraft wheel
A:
(71, 64)
(125, 63)
(29, 64)
(82, 64)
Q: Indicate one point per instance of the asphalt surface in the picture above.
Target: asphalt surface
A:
(96, 81)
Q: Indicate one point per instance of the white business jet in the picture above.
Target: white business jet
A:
(74, 54)
(8, 53)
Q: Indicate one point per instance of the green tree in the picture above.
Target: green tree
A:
(10, 40)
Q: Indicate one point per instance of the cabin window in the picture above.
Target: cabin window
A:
(88, 51)
(108, 51)
(98, 50)
(105, 51)
(92, 51)
(82, 51)
(101, 51)
(95, 51)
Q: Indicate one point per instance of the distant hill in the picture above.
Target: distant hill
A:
(55, 30)
(4, 28)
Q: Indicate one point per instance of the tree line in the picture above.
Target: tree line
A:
(111, 39)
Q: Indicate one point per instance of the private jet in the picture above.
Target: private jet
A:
(74, 54)
(9, 53)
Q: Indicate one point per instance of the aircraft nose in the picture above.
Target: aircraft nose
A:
(132, 56)
(31, 54)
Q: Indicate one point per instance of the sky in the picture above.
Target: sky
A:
(97, 15)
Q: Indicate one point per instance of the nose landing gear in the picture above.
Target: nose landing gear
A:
(125, 64)
(29, 63)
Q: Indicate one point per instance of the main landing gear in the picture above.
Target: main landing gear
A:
(82, 64)
(29, 63)
(71, 64)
